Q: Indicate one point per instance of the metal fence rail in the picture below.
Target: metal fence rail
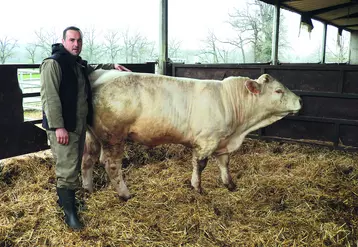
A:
(29, 83)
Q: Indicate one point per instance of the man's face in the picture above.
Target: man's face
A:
(73, 42)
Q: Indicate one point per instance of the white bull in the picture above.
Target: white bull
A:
(213, 117)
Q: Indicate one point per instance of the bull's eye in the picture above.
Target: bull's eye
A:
(279, 91)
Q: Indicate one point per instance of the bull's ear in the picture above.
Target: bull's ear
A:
(253, 86)
(265, 78)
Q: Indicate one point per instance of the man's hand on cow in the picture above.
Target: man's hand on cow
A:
(62, 136)
(121, 67)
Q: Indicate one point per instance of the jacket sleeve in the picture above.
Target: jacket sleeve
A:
(106, 66)
(50, 93)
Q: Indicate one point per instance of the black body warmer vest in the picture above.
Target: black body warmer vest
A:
(69, 91)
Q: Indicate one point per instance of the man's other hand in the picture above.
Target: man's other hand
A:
(121, 68)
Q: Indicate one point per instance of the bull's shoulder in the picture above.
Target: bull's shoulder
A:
(100, 76)
(235, 79)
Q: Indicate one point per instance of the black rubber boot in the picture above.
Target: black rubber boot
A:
(67, 201)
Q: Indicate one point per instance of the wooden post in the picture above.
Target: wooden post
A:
(163, 37)
(275, 34)
(324, 43)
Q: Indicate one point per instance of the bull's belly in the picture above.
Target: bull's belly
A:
(154, 140)
(156, 132)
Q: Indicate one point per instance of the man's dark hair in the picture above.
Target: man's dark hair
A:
(71, 28)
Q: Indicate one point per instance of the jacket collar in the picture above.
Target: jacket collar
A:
(59, 49)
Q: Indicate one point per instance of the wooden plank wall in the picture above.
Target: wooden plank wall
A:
(329, 92)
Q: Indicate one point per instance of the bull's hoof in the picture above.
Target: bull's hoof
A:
(189, 185)
(87, 190)
(198, 190)
(231, 186)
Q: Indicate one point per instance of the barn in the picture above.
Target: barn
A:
(297, 178)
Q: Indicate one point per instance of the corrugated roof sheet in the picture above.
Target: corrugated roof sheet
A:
(340, 13)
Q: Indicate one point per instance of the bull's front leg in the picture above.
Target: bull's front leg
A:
(223, 162)
(205, 147)
(112, 159)
(198, 167)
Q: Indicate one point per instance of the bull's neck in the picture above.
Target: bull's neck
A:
(249, 112)
(236, 99)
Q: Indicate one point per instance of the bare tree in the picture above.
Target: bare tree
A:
(92, 50)
(7, 47)
(174, 48)
(240, 43)
(338, 49)
(31, 51)
(152, 52)
(112, 45)
(143, 50)
(254, 26)
(45, 39)
(213, 52)
(135, 46)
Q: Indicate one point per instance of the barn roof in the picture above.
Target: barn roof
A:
(340, 13)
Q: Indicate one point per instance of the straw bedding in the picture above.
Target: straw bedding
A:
(287, 195)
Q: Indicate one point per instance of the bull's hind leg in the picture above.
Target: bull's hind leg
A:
(223, 162)
(90, 157)
(111, 157)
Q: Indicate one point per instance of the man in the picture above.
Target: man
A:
(67, 108)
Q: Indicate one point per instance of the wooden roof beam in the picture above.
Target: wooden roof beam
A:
(334, 7)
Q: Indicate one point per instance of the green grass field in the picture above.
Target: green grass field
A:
(33, 114)
(27, 76)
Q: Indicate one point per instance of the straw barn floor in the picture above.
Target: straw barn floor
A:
(287, 195)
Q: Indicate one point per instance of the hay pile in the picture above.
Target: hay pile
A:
(287, 195)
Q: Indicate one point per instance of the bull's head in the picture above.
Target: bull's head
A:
(274, 96)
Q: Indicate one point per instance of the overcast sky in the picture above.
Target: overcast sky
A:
(189, 20)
